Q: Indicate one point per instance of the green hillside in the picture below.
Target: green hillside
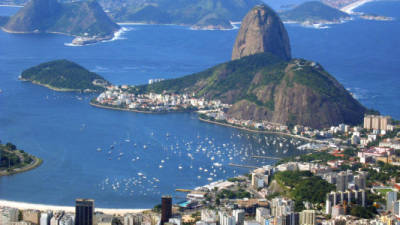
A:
(63, 75)
(263, 87)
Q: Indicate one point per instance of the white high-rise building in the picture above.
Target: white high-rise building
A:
(239, 216)
(8, 215)
(45, 218)
(307, 217)
(391, 198)
(262, 214)
(209, 216)
(328, 207)
(226, 219)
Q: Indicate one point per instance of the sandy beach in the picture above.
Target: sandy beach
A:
(349, 8)
(41, 207)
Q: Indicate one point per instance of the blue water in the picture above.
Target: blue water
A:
(65, 131)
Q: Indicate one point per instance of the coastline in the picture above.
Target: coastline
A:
(50, 87)
(35, 164)
(71, 209)
(129, 110)
(83, 42)
(55, 88)
(189, 26)
(259, 131)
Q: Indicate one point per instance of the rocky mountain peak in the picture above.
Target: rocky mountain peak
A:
(262, 31)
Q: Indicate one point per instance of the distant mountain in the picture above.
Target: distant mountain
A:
(198, 13)
(262, 31)
(264, 85)
(314, 12)
(63, 75)
(85, 18)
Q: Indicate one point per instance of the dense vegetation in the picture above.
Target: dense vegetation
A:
(314, 156)
(313, 11)
(387, 172)
(233, 194)
(232, 75)
(303, 186)
(11, 158)
(63, 74)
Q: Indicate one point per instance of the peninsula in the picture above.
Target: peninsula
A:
(14, 161)
(63, 75)
(314, 12)
(85, 20)
(262, 85)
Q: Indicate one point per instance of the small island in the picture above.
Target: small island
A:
(375, 17)
(314, 13)
(64, 75)
(14, 161)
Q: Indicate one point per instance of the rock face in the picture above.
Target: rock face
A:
(262, 31)
(85, 18)
(304, 94)
(35, 16)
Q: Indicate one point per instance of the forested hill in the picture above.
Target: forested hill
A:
(64, 75)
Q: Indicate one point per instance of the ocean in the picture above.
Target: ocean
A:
(128, 160)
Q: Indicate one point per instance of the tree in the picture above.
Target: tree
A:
(157, 208)
(10, 146)
(361, 212)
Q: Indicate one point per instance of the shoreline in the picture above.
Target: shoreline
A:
(55, 88)
(189, 26)
(35, 164)
(131, 110)
(45, 207)
(50, 87)
(90, 41)
(259, 131)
